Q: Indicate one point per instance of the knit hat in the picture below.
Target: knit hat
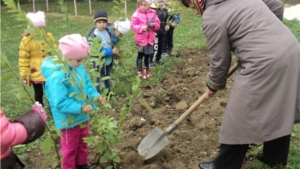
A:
(149, 1)
(74, 46)
(100, 15)
(38, 18)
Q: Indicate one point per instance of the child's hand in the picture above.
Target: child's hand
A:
(167, 27)
(117, 33)
(173, 24)
(145, 28)
(102, 100)
(152, 25)
(115, 51)
(86, 109)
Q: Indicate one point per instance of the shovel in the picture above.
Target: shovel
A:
(156, 140)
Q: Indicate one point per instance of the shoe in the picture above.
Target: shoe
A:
(207, 165)
(160, 62)
(85, 167)
(173, 54)
(165, 55)
(151, 65)
(147, 73)
(139, 72)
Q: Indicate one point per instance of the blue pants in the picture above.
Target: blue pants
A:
(168, 40)
(106, 70)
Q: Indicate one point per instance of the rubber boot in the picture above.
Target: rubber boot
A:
(147, 73)
(139, 72)
(85, 167)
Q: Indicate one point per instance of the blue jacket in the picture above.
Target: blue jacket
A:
(61, 94)
(107, 51)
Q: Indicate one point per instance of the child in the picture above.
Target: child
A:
(144, 23)
(163, 16)
(23, 130)
(174, 19)
(68, 111)
(32, 54)
(108, 38)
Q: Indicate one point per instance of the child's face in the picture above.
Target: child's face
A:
(75, 63)
(101, 25)
(144, 6)
(160, 4)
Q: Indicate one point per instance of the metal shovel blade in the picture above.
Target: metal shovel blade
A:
(155, 141)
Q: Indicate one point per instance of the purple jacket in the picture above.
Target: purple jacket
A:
(141, 18)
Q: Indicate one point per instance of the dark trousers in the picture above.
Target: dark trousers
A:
(168, 40)
(275, 152)
(139, 60)
(159, 50)
(106, 70)
(38, 92)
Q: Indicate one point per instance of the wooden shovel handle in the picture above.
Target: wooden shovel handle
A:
(201, 99)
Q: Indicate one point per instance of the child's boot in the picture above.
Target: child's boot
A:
(147, 73)
(85, 167)
(140, 72)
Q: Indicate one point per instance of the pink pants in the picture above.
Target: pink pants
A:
(73, 148)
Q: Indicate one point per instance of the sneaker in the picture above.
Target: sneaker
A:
(173, 54)
(160, 62)
(85, 167)
(165, 55)
(151, 65)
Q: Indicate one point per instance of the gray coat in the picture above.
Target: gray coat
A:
(265, 97)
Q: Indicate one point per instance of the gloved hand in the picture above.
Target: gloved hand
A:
(40, 110)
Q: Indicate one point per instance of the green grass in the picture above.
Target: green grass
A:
(188, 34)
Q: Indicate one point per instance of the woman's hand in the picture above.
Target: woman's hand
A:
(209, 93)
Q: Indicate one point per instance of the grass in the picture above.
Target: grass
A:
(188, 34)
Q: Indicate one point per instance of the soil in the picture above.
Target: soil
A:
(194, 140)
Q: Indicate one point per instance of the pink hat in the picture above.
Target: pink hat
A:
(38, 19)
(74, 46)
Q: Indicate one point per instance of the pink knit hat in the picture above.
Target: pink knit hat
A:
(74, 46)
(38, 19)
(149, 1)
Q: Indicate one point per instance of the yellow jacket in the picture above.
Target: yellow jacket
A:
(31, 57)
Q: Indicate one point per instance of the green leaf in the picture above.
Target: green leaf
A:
(104, 159)
(22, 95)
(46, 145)
(109, 167)
(101, 147)
(116, 159)
(48, 159)
(139, 93)
(108, 135)
(72, 94)
(115, 142)
(7, 76)
(105, 78)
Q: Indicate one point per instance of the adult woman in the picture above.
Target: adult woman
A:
(264, 100)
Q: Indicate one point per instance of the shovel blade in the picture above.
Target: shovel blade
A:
(155, 141)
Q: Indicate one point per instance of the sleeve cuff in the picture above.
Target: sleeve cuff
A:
(214, 86)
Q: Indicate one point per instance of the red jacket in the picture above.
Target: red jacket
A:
(140, 19)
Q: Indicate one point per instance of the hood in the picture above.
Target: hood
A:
(212, 2)
(48, 66)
